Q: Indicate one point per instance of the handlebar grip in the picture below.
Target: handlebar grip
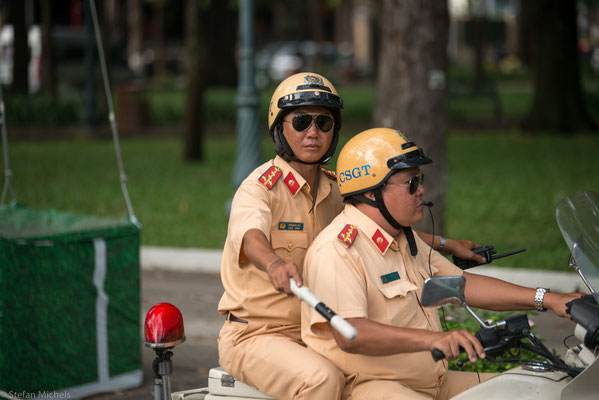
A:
(337, 322)
(438, 355)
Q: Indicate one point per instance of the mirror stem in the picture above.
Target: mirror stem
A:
(574, 265)
(480, 321)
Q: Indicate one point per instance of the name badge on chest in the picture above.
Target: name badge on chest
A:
(393, 276)
(291, 226)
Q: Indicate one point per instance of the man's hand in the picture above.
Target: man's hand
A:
(279, 272)
(450, 342)
(463, 250)
(260, 252)
(556, 302)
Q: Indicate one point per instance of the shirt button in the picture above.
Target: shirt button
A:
(290, 245)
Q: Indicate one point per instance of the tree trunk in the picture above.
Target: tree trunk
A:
(20, 70)
(316, 34)
(159, 42)
(411, 90)
(479, 25)
(218, 19)
(135, 36)
(194, 120)
(48, 63)
(525, 16)
(558, 103)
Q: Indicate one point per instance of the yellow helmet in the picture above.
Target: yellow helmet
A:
(371, 157)
(303, 89)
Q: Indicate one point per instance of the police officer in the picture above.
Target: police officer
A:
(370, 268)
(276, 213)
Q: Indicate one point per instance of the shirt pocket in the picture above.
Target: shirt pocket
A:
(290, 246)
(423, 272)
(398, 301)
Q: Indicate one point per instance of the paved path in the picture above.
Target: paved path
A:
(196, 295)
(208, 261)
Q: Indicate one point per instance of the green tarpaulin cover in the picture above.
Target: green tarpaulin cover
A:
(69, 302)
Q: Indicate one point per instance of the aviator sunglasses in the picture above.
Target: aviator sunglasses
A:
(412, 183)
(301, 122)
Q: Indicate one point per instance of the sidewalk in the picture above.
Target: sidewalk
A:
(208, 261)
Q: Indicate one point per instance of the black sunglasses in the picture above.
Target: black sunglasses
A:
(301, 122)
(412, 183)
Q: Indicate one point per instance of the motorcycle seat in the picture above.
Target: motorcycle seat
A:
(222, 386)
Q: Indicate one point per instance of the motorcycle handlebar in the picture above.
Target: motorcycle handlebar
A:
(438, 355)
(585, 312)
(498, 339)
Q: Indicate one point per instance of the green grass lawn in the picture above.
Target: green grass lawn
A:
(503, 187)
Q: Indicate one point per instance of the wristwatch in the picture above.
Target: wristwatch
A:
(442, 244)
(539, 296)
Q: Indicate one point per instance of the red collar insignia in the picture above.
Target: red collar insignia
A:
(348, 234)
(291, 183)
(270, 177)
(379, 240)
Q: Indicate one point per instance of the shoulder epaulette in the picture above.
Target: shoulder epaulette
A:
(271, 176)
(331, 174)
(348, 234)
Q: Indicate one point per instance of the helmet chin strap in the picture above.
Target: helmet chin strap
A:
(380, 205)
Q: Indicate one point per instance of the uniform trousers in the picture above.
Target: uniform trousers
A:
(454, 383)
(275, 360)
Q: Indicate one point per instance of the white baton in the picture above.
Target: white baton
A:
(337, 322)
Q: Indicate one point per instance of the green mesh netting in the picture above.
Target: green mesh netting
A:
(48, 338)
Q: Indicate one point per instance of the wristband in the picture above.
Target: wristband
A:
(273, 263)
(442, 244)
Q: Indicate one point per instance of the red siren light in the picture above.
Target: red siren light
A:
(164, 326)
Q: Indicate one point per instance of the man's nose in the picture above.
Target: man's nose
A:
(312, 130)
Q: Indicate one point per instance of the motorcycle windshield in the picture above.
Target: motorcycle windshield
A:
(578, 219)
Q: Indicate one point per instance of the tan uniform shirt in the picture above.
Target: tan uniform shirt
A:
(372, 275)
(278, 203)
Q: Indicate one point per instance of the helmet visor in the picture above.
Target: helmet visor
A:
(310, 99)
(412, 159)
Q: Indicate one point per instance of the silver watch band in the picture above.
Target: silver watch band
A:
(442, 244)
(539, 296)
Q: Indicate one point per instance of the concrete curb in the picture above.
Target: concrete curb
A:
(557, 281)
(180, 259)
(208, 261)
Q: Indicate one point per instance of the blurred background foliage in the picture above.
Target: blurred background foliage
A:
(504, 181)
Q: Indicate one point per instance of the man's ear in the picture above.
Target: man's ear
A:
(369, 195)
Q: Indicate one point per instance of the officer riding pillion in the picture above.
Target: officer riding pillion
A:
(370, 268)
(275, 215)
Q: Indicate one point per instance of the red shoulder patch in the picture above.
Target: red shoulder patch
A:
(291, 183)
(348, 234)
(270, 177)
(331, 174)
